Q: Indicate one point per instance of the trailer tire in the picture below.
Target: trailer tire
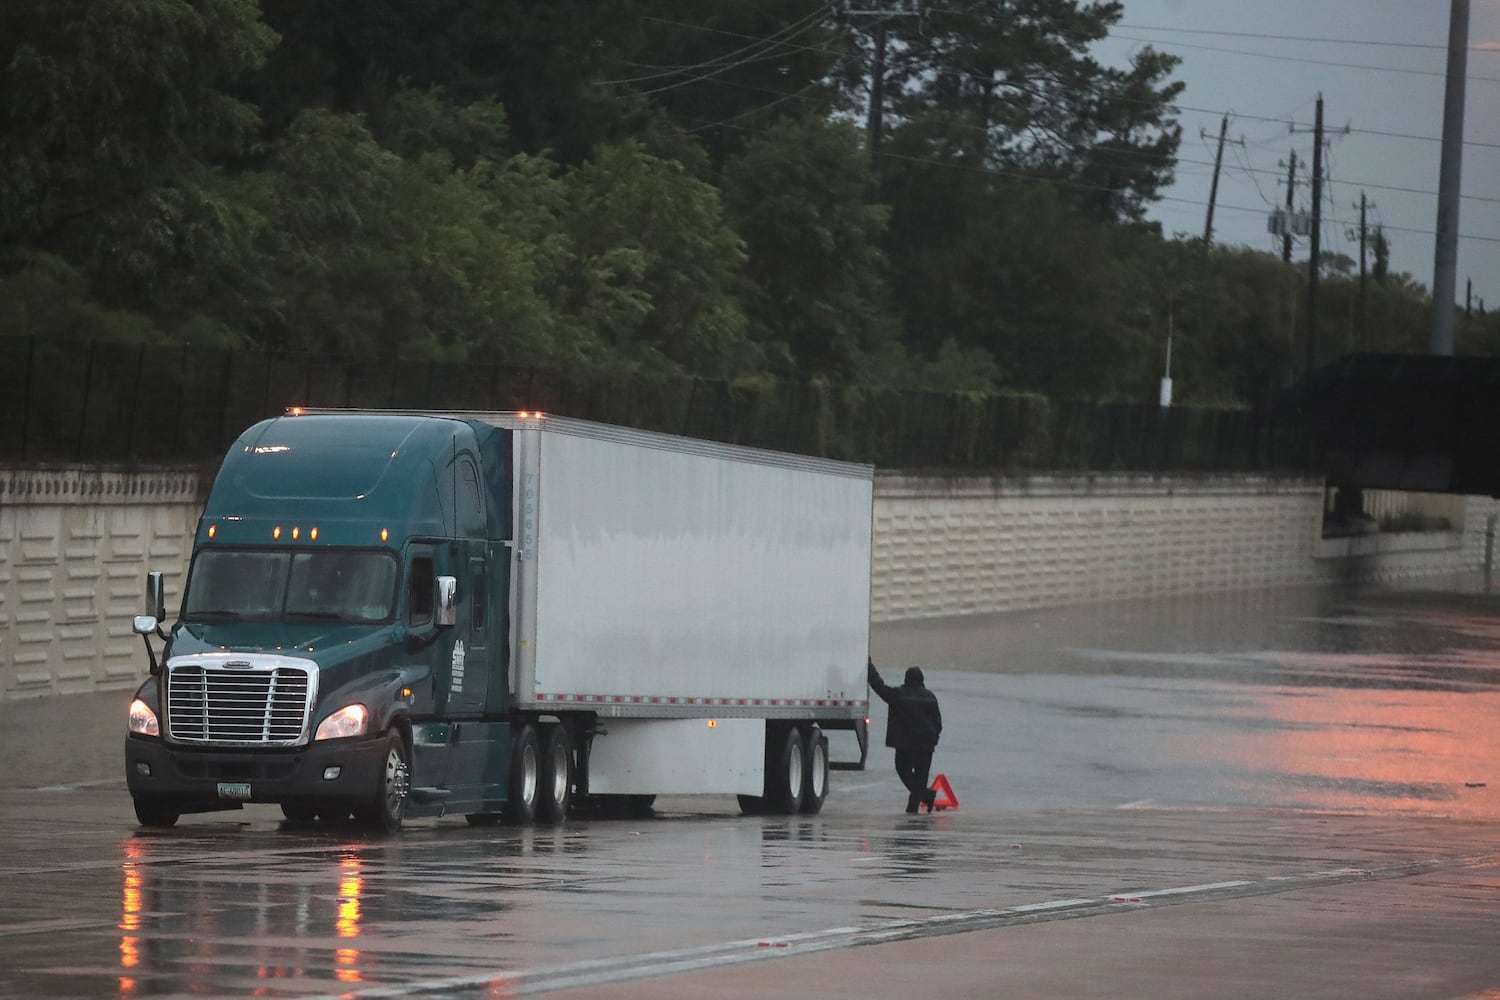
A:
(784, 780)
(386, 806)
(525, 765)
(555, 785)
(156, 812)
(815, 772)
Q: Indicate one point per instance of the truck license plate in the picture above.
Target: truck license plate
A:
(235, 790)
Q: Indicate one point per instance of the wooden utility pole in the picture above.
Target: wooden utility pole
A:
(1317, 243)
(1213, 188)
(1360, 342)
(877, 94)
(1291, 185)
(1445, 251)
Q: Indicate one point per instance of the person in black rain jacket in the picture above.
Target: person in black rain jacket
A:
(912, 730)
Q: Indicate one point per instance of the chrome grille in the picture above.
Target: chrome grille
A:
(265, 707)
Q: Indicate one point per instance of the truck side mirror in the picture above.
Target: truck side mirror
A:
(156, 601)
(447, 602)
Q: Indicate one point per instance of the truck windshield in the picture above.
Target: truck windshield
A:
(331, 584)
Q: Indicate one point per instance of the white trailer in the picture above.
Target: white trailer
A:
(697, 613)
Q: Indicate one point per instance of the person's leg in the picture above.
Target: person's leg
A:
(921, 767)
(907, 763)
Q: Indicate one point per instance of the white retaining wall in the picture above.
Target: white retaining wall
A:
(75, 545)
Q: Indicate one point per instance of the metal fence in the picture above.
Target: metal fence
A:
(117, 403)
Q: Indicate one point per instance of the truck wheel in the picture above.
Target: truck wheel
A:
(156, 812)
(784, 779)
(387, 805)
(555, 789)
(815, 772)
(525, 766)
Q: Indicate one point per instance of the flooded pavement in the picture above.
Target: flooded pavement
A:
(1295, 763)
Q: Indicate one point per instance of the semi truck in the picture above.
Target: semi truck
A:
(505, 616)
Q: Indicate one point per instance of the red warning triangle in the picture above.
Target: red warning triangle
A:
(945, 797)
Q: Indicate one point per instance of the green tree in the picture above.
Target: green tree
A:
(657, 271)
(797, 197)
(109, 111)
(1010, 85)
(363, 251)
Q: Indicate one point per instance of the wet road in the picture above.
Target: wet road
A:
(1149, 785)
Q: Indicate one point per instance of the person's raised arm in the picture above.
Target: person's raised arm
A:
(877, 685)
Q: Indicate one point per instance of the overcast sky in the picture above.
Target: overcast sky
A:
(1380, 66)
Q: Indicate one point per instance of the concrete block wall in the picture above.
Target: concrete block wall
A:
(75, 545)
(958, 547)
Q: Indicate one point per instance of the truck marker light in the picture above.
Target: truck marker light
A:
(276, 532)
(406, 692)
(213, 529)
(313, 534)
(295, 532)
(142, 719)
(712, 723)
(385, 534)
(295, 411)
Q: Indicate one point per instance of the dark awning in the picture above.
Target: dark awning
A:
(1403, 421)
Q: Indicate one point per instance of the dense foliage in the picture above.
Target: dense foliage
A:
(650, 186)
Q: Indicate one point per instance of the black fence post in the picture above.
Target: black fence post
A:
(83, 417)
(135, 398)
(26, 396)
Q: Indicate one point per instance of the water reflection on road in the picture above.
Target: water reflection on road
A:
(1218, 741)
(1371, 700)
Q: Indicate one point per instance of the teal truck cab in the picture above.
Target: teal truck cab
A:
(391, 615)
(320, 641)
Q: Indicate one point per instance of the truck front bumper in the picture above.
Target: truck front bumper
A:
(202, 779)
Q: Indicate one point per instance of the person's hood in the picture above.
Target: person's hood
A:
(914, 676)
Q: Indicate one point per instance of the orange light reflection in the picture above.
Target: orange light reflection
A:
(130, 917)
(347, 925)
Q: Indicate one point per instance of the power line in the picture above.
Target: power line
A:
(1082, 186)
(1172, 106)
(1294, 38)
(1299, 59)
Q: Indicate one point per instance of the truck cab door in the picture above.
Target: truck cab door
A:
(470, 666)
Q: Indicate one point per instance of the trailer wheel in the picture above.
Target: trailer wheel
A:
(525, 765)
(555, 788)
(386, 806)
(815, 773)
(152, 811)
(784, 780)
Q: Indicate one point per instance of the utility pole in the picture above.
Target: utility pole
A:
(877, 94)
(1213, 188)
(875, 122)
(1317, 231)
(1291, 185)
(1468, 298)
(1360, 343)
(1445, 252)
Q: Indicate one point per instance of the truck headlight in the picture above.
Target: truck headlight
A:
(143, 720)
(347, 721)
